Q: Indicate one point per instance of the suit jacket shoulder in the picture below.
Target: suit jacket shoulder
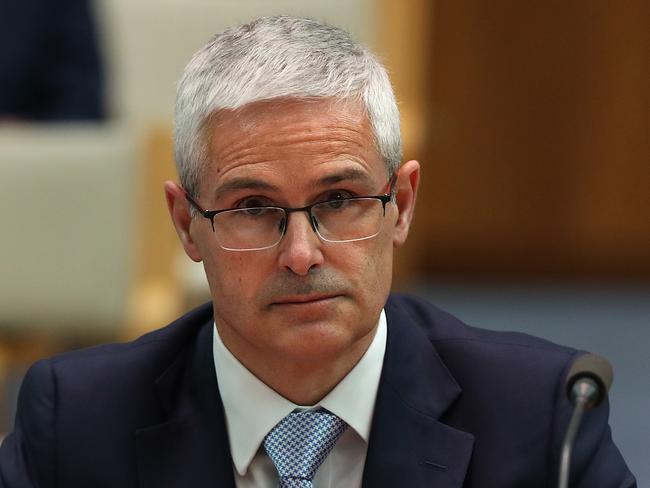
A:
(83, 407)
(485, 360)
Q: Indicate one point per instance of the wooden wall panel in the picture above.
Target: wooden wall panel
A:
(536, 152)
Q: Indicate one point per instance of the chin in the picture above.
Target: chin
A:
(319, 341)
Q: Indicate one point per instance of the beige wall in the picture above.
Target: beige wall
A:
(148, 42)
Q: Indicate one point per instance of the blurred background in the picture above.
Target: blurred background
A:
(530, 119)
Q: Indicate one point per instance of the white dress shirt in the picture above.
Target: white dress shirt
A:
(252, 409)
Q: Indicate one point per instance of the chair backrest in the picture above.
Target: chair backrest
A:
(65, 209)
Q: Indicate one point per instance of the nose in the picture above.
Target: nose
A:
(300, 249)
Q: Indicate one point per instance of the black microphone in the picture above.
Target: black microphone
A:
(587, 385)
(590, 376)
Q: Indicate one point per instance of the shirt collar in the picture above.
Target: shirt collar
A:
(353, 399)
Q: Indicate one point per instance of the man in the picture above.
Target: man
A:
(303, 371)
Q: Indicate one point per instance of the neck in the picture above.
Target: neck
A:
(305, 384)
(306, 380)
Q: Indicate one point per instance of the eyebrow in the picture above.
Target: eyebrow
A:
(244, 184)
(249, 183)
(350, 174)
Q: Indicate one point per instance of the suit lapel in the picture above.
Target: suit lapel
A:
(191, 448)
(408, 445)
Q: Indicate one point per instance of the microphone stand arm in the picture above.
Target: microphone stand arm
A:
(583, 394)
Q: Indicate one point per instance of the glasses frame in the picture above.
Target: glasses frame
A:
(210, 214)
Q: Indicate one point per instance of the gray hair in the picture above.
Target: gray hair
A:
(275, 57)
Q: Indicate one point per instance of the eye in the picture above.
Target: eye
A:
(336, 195)
(336, 199)
(252, 202)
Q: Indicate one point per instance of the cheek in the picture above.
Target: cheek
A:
(233, 275)
(229, 274)
(371, 272)
(383, 265)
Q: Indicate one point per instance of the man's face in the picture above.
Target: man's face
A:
(304, 299)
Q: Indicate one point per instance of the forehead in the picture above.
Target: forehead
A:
(291, 137)
(275, 115)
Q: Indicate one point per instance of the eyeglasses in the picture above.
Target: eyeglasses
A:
(346, 219)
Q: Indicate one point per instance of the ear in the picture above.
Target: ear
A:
(408, 179)
(179, 210)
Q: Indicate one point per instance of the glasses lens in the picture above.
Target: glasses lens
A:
(249, 228)
(348, 220)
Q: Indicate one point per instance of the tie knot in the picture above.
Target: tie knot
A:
(300, 442)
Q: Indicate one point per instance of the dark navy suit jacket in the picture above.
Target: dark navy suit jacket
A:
(456, 406)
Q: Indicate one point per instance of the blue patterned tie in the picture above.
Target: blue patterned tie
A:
(299, 444)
